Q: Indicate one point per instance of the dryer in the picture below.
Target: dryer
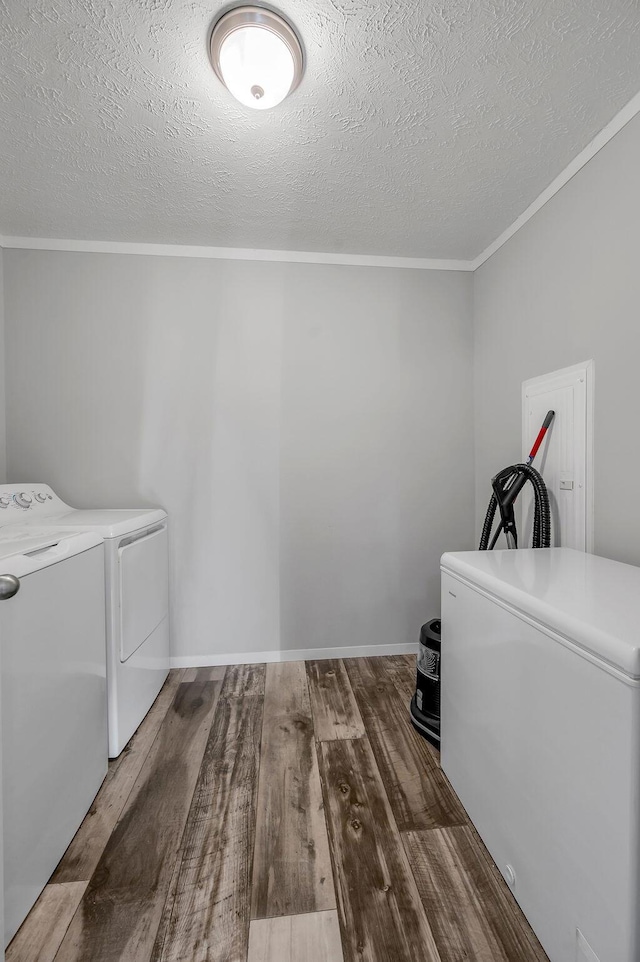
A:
(54, 726)
(137, 595)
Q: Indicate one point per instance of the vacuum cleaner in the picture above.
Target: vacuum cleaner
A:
(424, 709)
(507, 485)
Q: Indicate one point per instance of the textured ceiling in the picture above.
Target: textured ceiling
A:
(420, 128)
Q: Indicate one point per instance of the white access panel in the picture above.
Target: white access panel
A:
(565, 459)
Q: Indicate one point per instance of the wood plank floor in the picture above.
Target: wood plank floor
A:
(291, 865)
(286, 813)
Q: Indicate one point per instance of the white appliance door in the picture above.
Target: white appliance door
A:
(54, 713)
(144, 587)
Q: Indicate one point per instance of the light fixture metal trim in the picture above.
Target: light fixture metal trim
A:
(239, 18)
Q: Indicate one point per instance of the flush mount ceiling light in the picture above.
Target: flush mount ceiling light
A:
(257, 56)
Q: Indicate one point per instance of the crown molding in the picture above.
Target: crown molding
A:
(620, 120)
(614, 126)
(232, 253)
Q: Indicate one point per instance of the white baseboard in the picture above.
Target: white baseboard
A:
(294, 654)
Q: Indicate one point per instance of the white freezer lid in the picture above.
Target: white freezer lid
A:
(109, 522)
(35, 551)
(592, 601)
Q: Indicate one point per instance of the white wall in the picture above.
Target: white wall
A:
(3, 466)
(564, 289)
(308, 428)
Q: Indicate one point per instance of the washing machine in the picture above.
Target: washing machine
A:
(137, 595)
(541, 736)
(53, 716)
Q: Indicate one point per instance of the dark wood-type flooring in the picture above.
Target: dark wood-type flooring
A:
(279, 813)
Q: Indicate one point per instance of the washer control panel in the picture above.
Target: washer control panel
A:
(18, 500)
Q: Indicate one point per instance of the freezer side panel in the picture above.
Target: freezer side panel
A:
(541, 745)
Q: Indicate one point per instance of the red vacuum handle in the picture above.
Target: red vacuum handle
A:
(541, 433)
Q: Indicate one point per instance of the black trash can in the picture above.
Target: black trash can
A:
(425, 704)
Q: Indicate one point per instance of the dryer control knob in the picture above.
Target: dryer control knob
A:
(41, 497)
(5, 502)
(22, 499)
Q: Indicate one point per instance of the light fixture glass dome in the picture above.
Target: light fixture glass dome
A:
(257, 56)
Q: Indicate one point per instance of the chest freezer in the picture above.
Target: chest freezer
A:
(541, 736)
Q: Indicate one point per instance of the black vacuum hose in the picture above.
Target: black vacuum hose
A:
(541, 515)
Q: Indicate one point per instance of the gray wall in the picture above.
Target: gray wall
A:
(564, 289)
(308, 428)
(3, 466)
